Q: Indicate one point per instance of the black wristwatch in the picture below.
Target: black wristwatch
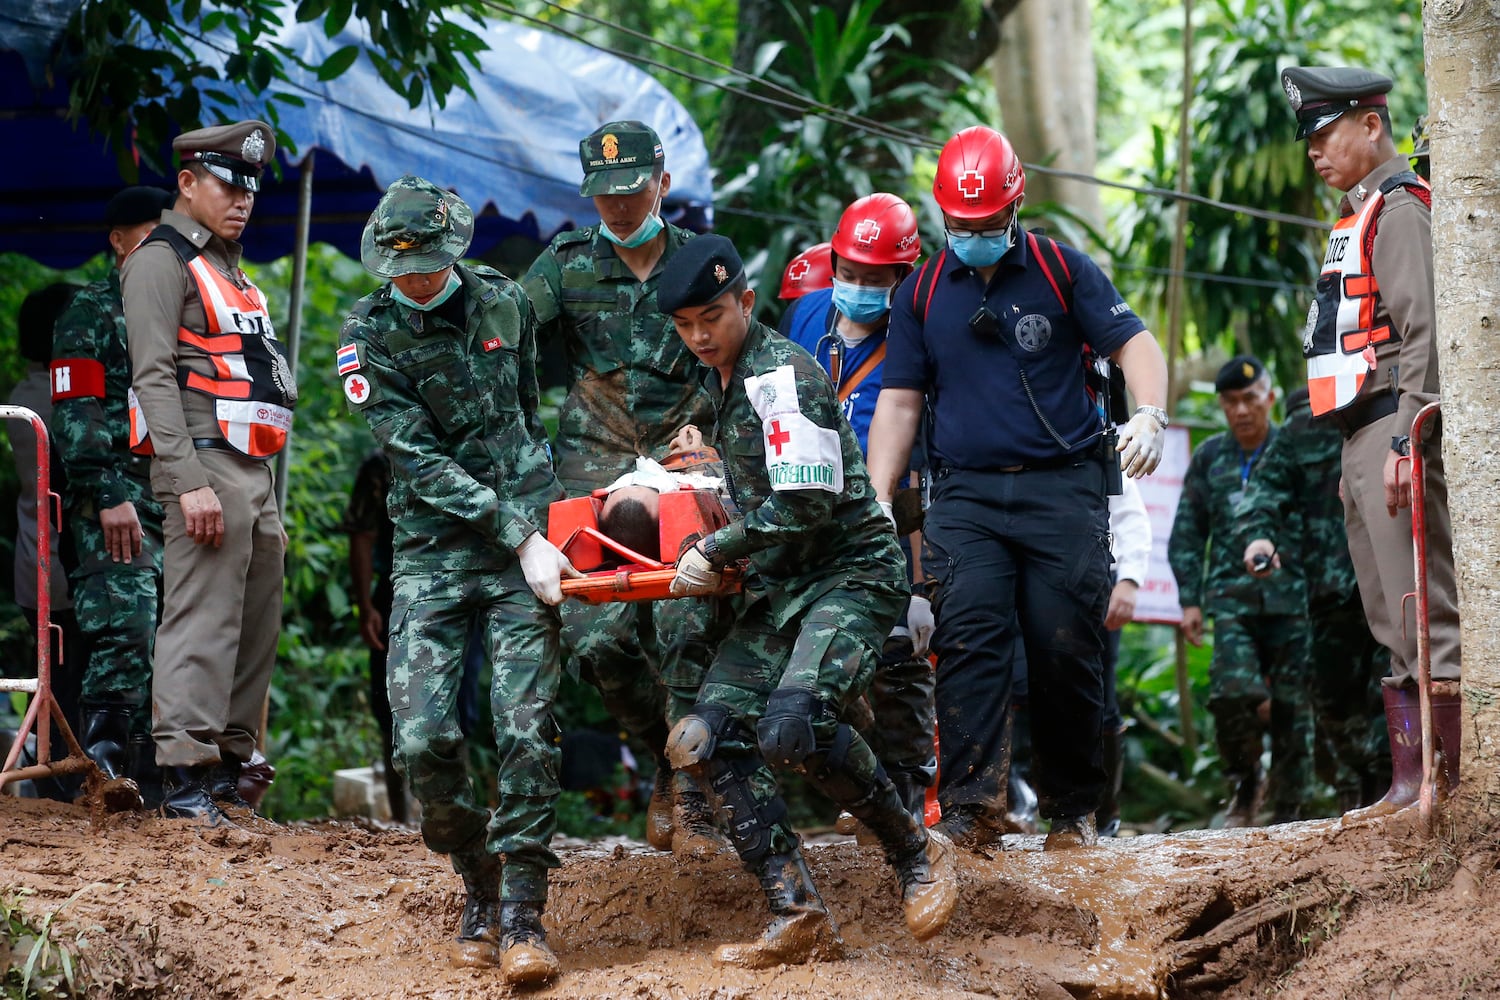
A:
(1401, 445)
(710, 544)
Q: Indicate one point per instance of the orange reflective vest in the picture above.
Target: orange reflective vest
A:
(1341, 333)
(252, 386)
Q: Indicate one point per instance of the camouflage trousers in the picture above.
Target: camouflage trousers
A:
(828, 652)
(430, 619)
(1256, 657)
(1345, 667)
(116, 605)
(647, 659)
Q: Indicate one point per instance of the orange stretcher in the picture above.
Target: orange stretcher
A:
(614, 572)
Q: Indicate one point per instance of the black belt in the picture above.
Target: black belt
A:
(213, 444)
(1361, 414)
(1032, 465)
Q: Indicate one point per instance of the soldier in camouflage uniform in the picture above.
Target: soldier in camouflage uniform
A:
(827, 583)
(1260, 626)
(115, 522)
(631, 386)
(1293, 503)
(441, 361)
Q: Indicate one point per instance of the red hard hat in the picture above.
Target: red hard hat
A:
(878, 229)
(978, 174)
(809, 271)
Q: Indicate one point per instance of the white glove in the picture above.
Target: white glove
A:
(1140, 445)
(544, 567)
(920, 622)
(888, 511)
(695, 575)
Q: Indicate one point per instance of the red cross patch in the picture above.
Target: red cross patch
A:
(777, 437)
(356, 387)
(867, 232)
(970, 184)
(798, 270)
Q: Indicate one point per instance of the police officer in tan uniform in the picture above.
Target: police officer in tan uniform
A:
(211, 400)
(1372, 364)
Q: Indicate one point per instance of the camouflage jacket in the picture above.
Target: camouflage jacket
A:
(1294, 501)
(90, 419)
(456, 413)
(793, 466)
(631, 381)
(1207, 549)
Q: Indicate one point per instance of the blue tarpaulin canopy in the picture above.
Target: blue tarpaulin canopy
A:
(511, 151)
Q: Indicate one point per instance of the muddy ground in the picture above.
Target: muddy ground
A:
(157, 909)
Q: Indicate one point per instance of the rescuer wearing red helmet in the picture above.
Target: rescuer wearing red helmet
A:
(844, 327)
(992, 335)
(807, 272)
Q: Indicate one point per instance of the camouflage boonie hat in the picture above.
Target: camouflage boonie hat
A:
(619, 158)
(418, 228)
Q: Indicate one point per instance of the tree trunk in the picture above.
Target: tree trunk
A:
(1044, 76)
(1463, 50)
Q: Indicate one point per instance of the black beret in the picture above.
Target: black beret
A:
(1320, 94)
(1239, 373)
(135, 205)
(700, 271)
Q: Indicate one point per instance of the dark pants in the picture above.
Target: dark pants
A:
(1020, 553)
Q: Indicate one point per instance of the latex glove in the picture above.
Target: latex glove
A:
(544, 567)
(695, 574)
(1140, 446)
(921, 623)
(889, 511)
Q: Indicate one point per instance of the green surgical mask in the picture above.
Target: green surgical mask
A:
(453, 285)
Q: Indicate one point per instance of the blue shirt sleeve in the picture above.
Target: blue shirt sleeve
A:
(1104, 319)
(907, 365)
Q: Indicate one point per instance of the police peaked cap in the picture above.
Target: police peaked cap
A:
(135, 205)
(702, 269)
(1239, 373)
(1320, 94)
(236, 154)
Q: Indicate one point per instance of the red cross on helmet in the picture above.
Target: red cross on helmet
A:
(978, 174)
(878, 229)
(807, 272)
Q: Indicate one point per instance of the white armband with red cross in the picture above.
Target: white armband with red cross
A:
(800, 455)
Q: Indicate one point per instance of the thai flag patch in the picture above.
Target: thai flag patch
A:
(348, 359)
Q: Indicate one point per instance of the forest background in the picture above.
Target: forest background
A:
(805, 107)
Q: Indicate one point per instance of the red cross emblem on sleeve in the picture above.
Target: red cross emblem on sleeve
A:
(798, 270)
(356, 388)
(778, 437)
(970, 183)
(867, 232)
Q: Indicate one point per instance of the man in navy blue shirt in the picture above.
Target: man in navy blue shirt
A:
(992, 333)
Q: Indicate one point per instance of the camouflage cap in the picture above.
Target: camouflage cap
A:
(619, 158)
(418, 228)
(1320, 94)
(1421, 144)
(1239, 373)
(236, 154)
(700, 271)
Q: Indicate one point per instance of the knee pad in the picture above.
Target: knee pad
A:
(692, 742)
(785, 731)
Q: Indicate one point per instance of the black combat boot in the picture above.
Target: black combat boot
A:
(924, 860)
(185, 795)
(1069, 832)
(525, 958)
(479, 927)
(106, 735)
(224, 785)
(801, 929)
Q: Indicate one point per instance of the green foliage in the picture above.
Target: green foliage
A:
(790, 195)
(36, 962)
(144, 56)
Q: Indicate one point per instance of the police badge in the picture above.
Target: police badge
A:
(254, 147)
